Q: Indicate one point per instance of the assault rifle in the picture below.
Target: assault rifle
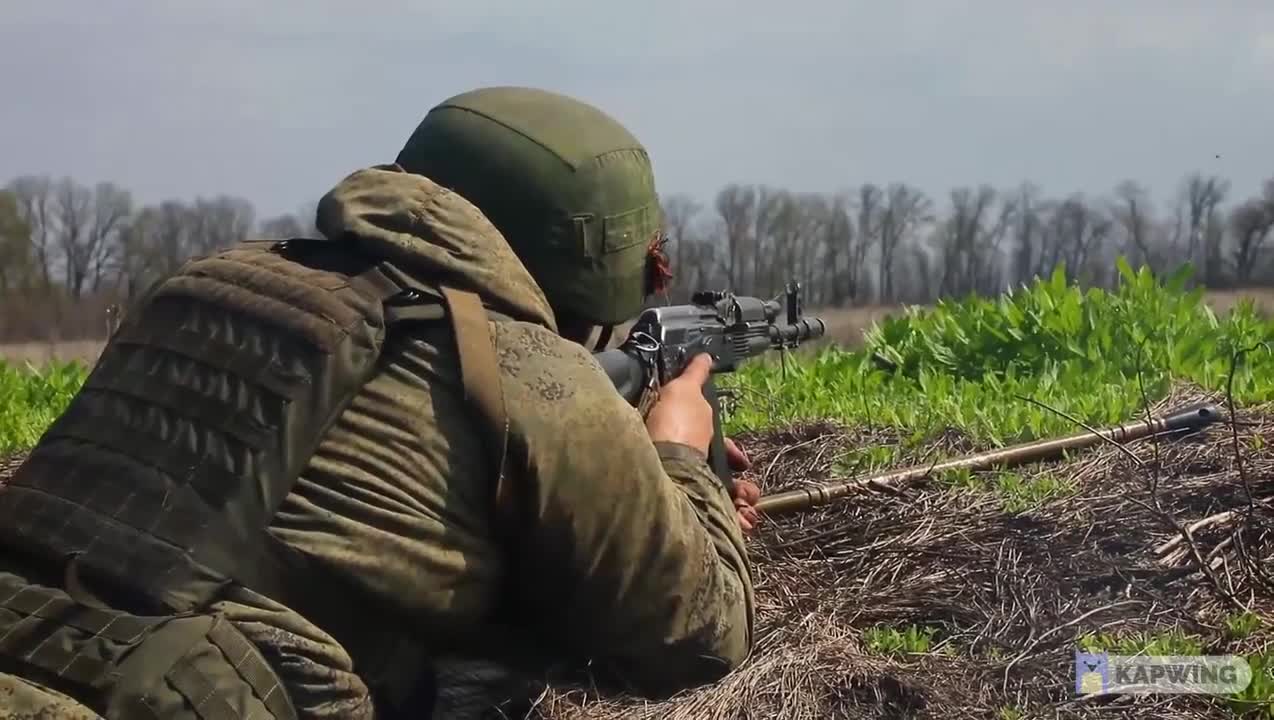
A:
(1181, 421)
(732, 328)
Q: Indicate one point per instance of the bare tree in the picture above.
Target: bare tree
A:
(302, 223)
(1202, 195)
(1028, 235)
(1075, 233)
(736, 204)
(218, 223)
(776, 231)
(112, 208)
(1251, 224)
(158, 241)
(15, 245)
(812, 213)
(906, 210)
(864, 239)
(73, 208)
(917, 283)
(34, 195)
(837, 231)
(281, 227)
(969, 246)
(1133, 211)
(679, 212)
(788, 226)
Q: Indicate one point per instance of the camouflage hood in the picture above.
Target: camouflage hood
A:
(431, 232)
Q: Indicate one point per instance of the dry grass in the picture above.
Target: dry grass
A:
(846, 326)
(42, 353)
(1222, 300)
(1007, 594)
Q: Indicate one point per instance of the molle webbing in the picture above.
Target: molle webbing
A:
(26, 615)
(167, 467)
(122, 665)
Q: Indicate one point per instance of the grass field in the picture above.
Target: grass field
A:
(967, 594)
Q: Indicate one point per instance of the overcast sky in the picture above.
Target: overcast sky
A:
(275, 101)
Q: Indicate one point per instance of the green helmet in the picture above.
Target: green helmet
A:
(570, 188)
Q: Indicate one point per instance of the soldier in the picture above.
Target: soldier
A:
(378, 473)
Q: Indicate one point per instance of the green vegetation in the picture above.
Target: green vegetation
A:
(1009, 712)
(963, 364)
(1257, 699)
(1016, 493)
(910, 640)
(1167, 642)
(31, 398)
(968, 364)
(1241, 625)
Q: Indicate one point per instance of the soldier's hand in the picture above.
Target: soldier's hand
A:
(682, 414)
(735, 457)
(746, 494)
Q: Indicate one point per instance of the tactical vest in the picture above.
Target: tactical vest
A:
(164, 472)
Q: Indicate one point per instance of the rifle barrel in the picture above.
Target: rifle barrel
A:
(1186, 419)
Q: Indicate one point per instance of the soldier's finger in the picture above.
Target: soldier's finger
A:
(698, 370)
(747, 492)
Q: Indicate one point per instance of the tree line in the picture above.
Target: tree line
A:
(69, 251)
(891, 244)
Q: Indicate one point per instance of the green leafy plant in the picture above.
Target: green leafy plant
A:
(968, 364)
(31, 398)
(1241, 625)
(910, 640)
(1167, 642)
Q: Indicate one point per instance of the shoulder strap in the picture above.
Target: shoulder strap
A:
(406, 300)
(480, 373)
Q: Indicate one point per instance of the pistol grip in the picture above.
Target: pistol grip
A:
(716, 449)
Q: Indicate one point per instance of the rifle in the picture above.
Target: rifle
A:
(1181, 421)
(732, 328)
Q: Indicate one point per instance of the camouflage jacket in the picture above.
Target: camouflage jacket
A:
(623, 553)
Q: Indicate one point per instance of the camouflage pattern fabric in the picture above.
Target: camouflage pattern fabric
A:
(26, 700)
(621, 553)
(617, 553)
(118, 665)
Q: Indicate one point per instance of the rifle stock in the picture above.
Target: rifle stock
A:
(1188, 419)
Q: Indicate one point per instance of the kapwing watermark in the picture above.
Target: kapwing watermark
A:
(1102, 673)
